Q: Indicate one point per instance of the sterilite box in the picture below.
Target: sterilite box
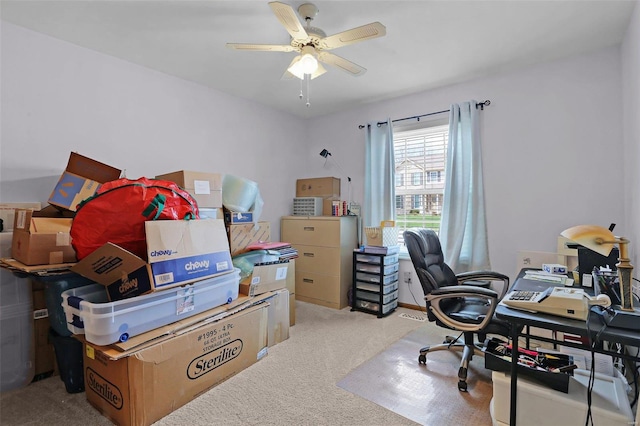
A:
(376, 279)
(388, 260)
(376, 287)
(88, 311)
(374, 269)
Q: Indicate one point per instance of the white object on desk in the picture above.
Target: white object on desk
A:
(539, 405)
(548, 277)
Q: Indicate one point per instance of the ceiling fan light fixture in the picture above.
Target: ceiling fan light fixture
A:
(307, 64)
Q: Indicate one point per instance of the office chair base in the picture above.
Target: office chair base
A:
(454, 344)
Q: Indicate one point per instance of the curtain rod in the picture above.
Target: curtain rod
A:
(417, 117)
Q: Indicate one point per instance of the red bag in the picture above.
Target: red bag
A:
(118, 210)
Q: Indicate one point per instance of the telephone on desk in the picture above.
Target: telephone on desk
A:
(562, 301)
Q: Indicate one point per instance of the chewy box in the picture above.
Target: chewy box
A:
(88, 312)
(179, 252)
(140, 387)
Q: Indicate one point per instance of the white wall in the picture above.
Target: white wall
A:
(544, 135)
(58, 98)
(631, 105)
(544, 138)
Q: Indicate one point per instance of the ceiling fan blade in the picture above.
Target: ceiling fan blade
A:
(344, 64)
(262, 47)
(354, 35)
(287, 17)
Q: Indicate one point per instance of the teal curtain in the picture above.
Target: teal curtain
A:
(463, 230)
(379, 174)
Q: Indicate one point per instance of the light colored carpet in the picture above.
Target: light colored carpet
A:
(295, 384)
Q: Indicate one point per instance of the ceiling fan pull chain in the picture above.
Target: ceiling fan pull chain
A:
(301, 94)
(308, 78)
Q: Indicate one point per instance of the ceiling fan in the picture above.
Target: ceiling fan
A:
(312, 43)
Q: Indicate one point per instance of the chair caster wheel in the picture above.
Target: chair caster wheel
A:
(422, 359)
(462, 386)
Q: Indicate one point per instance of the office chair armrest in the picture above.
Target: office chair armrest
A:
(460, 291)
(485, 275)
(463, 291)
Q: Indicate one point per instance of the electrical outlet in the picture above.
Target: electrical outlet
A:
(407, 277)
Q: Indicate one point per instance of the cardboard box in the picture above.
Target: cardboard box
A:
(324, 187)
(241, 236)
(179, 252)
(291, 286)
(277, 316)
(8, 210)
(140, 387)
(41, 240)
(265, 278)
(80, 180)
(183, 251)
(205, 188)
(235, 218)
(327, 205)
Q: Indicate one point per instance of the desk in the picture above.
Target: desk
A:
(521, 319)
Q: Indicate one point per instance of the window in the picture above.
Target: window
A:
(420, 155)
(417, 179)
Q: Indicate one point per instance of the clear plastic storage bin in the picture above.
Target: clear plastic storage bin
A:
(374, 269)
(16, 322)
(375, 297)
(376, 287)
(360, 276)
(367, 258)
(88, 311)
(375, 307)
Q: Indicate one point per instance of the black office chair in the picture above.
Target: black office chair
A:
(464, 302)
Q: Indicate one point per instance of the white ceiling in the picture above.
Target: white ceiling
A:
(429, 43)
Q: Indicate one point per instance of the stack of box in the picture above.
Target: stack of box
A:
(133, 318)
(327, 188)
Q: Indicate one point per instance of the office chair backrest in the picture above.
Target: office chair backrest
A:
(426, 255)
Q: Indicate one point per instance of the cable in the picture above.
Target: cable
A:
(416, 301)
(592, 370)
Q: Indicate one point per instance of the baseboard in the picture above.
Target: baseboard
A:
(410, 306)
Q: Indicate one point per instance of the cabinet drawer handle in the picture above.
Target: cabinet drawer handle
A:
(307, 280)
(308, 254)
(309, 228)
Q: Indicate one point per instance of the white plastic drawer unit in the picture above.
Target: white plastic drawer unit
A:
(89, 312)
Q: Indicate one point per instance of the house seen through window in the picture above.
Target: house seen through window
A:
(420, 156)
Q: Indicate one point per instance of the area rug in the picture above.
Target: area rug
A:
(427, 394)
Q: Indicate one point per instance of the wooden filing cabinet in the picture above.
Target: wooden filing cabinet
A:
(325, 256)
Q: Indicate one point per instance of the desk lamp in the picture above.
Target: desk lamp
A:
(601, 240)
